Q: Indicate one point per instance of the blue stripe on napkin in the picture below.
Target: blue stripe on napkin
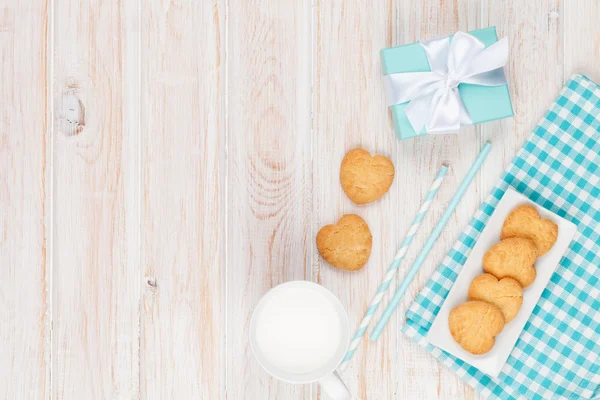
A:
(557, 355)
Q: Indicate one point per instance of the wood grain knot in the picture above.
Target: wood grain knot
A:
(70, 114)
(151, 282)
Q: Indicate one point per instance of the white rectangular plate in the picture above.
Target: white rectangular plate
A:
(492, 362)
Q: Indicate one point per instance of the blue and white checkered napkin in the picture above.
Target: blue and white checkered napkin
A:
(558, 353)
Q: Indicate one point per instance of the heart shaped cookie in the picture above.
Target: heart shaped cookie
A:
(365, 178)
(347, 244)
(506, 294)
(524, 221)
(512, 258)
(475, 324)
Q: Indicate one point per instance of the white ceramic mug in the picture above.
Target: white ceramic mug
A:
(299, 333)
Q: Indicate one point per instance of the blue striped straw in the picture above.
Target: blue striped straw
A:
(391, 272)
(430, 241)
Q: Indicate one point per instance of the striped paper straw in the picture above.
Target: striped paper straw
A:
(393, 304)
(391, 272)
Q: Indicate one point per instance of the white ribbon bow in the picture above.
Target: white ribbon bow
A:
(434, 97)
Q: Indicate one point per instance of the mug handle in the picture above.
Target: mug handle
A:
(335, 388)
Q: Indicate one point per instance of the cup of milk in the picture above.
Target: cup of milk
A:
(299, 333)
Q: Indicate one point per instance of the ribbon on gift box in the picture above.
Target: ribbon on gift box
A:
(434, 98)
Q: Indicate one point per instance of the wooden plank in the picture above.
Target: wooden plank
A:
(24, 298)
(535, 72)
(419, 375)
(351, 112)
(96, 274)
(183, 222)
(349, 86)
(269, 169)
(582, 38)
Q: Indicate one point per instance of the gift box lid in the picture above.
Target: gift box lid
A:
(483, 103)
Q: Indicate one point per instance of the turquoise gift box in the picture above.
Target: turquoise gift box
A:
(483, 103)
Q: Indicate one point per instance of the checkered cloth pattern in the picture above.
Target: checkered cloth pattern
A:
(557, 355)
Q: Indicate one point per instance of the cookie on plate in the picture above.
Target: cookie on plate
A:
(365, 178)
(347, 244)
(475, 324)
(506, 294)
(525, 221)
(512, 258)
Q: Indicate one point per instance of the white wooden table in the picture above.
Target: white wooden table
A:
(164, 163)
